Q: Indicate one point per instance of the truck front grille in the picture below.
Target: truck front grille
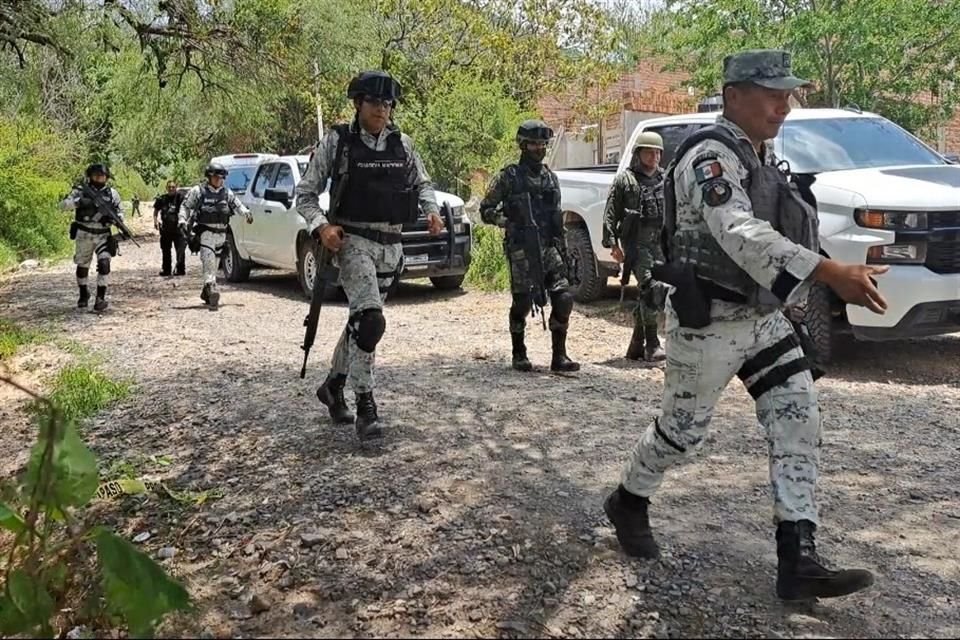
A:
(943, 255)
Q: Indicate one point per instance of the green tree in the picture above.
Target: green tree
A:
(889, 56)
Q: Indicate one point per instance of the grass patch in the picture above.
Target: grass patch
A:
(13, 337)
(488, 266)
(80, 391)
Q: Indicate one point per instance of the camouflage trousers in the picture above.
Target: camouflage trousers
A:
(700, 363)
(211, 246)
(555, 282)
(367, 269)
(650, 293)
(87, 246)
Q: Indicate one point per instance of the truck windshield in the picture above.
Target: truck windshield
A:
(238, 178)
(835, 144)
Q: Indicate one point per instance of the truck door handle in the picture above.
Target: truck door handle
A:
(268, 210)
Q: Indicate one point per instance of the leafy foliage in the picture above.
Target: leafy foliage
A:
(883, 55)
(48, 564)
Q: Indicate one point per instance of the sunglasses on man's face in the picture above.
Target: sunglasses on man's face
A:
(379, 102)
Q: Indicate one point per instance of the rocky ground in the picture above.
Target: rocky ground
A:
(479, 514)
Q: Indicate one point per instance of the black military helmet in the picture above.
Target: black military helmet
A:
(215, 169)
(534, 131)
(377, 84)
(98, 167)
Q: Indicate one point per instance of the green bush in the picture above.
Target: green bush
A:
(13, 337)
(34, 167)
(488, 265)
(80, 391)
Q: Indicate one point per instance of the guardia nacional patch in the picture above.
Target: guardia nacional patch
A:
(716, 192)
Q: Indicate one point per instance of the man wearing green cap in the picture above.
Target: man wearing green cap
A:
(740, 238)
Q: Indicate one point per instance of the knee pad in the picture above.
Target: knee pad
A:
(562, 303)
(103, 266)
(368, 327)
(522, 303)
(83, 272)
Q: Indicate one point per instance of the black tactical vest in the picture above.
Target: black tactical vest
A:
(214, 208)
(88, 212)
(544, 193)
(785, 201)
(169, 208)
(376, 188)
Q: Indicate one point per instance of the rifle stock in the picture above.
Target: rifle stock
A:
(533, 251)
(324, 257)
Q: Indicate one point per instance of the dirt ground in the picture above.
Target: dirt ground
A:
(479, 514)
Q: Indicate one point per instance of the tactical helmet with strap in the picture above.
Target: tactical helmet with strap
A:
(376, 84)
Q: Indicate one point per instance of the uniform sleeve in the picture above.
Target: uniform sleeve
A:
(420, 179)
(236, 205)
(157, 205)
(315, 181)
(776, 263)
(189, 205)
(117, 205)
(490, 210)
(613, 213)
(70, 202)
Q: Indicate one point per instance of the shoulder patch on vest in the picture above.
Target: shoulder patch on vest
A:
(716, 192)
(707, 169)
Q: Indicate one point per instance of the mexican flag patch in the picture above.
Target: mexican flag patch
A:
(708, 171)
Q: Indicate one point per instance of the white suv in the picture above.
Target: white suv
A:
(884, 198)
(278, 237)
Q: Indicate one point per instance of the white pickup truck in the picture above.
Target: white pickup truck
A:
(278, 236)
(884, 198)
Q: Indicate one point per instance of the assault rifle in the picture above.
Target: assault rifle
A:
(107, 214)
(323, 274)
(528, 231)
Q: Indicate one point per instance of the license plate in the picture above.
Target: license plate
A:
(422, 258)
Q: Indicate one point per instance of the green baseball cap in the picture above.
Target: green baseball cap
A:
(768, 68)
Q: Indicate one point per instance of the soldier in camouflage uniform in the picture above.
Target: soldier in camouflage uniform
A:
(92, 232)
(205, 213)
(743, 239)
(503, 206)
(378, 183)
(631, 226)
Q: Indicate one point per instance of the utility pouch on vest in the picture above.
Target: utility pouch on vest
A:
(798, 219)
(690, 302)
(73, 230)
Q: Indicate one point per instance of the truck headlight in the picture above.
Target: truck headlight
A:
(898, 253)
(893, 220)
(458, 228)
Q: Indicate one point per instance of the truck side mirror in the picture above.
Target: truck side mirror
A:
(278, 195)
(952, 158)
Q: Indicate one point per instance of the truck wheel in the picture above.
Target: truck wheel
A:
(307, 271)
(447, 283)
(235, 268)
(580, 252)
(818, 316)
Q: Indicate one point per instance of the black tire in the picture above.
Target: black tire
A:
(818, 316)
(235, 268)
(307, 269)
(447, 283)
(580, 252)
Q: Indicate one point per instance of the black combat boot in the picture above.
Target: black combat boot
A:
(560, 360)
(628, 513)
(520, 362)
(101, 302)
(653, 351)
(214, 296)
(800, 574)
(368, 426)
(635, 350)
(205, 293)
(84, 297)
(330, 393)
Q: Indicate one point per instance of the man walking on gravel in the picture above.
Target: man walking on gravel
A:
(92, 203)
(166, 212)
(378, 183)
(524, 199)
(631, 226)
(208, 207)
(741, 241)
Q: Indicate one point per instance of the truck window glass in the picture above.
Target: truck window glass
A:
(263, 179)
(238, 178)
(284, 179)
(673, 135)
(836, 144)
